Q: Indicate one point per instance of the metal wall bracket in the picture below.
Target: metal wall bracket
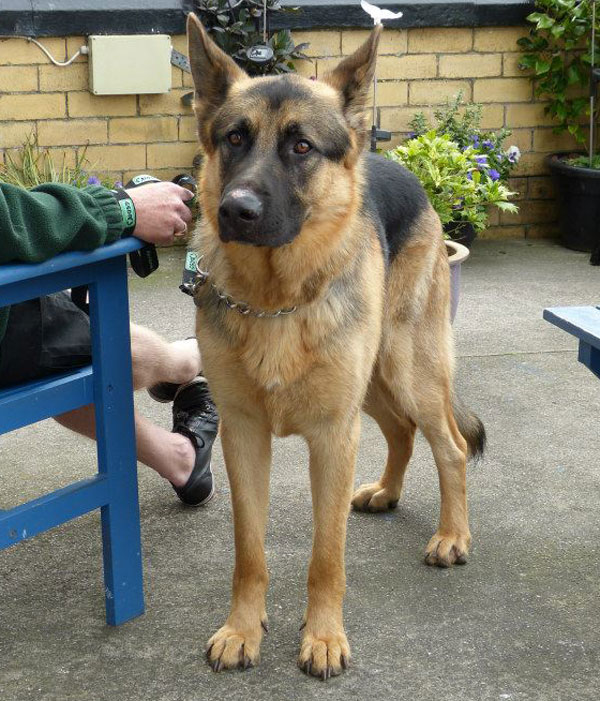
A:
(180, 60)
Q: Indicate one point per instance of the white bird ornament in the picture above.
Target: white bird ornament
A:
(377, 13)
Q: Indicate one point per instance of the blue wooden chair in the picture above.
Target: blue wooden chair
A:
(107, 383)
(584, 324)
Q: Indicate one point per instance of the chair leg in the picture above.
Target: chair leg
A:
(115, 430)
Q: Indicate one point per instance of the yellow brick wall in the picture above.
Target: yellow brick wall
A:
(417, 69)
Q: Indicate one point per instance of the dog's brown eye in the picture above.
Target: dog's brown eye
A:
(302, 147)
(234, 138)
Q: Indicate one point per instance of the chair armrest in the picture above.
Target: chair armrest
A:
(16, 272)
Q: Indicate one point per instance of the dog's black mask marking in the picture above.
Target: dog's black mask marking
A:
(265, 172)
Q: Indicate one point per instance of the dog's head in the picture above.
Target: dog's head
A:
(278, 149)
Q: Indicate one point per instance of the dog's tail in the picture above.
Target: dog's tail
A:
(471, 428)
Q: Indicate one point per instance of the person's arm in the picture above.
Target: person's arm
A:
(38, 224)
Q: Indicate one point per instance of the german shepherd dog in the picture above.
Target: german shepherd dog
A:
(327, 291)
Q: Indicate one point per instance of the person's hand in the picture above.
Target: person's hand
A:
(161, 212)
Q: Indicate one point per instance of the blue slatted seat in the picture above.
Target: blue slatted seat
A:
(107, 383)
(584, 324)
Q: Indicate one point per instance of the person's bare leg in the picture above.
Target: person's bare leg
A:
(170, 454)
(154, 360)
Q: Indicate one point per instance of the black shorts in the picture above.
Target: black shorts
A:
(44, 336)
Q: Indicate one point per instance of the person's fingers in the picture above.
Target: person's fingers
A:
(179, 227)
(184, 212)
(184, 193)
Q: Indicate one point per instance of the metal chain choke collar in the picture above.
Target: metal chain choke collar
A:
(200, 277)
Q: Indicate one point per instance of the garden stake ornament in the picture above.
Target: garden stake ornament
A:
(261, 53)
(378, 15)
(594, 79)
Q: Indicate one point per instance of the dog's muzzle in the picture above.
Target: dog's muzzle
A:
(240, 215)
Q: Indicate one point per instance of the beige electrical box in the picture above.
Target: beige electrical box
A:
(130, 65)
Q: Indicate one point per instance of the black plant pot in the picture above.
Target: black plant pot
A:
(461, 232)
(578, 191)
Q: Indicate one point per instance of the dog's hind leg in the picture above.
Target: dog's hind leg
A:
(399, 432)
(246, 444)
(324, 650)
(450, 543)
(419, 387)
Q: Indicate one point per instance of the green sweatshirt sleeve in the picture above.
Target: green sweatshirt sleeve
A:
(38, 224)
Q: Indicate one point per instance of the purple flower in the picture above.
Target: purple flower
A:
(494, 174)
(118, 183)
(481, 160)
(487, 144)
(475, 140)
(513, 154)
(469, 176)
(93, 180)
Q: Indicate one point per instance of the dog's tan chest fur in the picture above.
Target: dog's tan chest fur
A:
(287, 364)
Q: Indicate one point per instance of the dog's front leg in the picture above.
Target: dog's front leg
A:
(324, 650)
(247, 450)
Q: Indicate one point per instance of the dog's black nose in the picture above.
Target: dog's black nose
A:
(240, 207)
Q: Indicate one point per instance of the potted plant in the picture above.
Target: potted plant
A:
(457, 185)
(462, 124)
(560, 51)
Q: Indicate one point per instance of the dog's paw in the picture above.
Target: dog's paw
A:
(233, 649)
(373, 497)
(324, 656)
(447, 550)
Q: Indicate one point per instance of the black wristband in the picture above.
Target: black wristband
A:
(127, 210)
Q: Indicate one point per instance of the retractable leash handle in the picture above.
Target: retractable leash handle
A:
(145, 260)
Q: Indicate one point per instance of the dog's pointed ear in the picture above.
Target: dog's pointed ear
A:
(353, 77)
(213, 71)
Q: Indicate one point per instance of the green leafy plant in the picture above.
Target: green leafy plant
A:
(236, 26)
(584, 162)
(558, 52)
(462, 123)
(33, 165)
(452, 178)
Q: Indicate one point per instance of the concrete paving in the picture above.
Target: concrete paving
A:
(520, 621)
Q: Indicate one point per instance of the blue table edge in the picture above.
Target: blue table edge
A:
(581, 322)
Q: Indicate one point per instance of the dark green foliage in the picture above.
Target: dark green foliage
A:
(237, 25)
(558, 52)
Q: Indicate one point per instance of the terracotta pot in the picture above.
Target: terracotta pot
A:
(457, 254)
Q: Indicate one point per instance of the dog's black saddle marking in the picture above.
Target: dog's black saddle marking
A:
(393, 199)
